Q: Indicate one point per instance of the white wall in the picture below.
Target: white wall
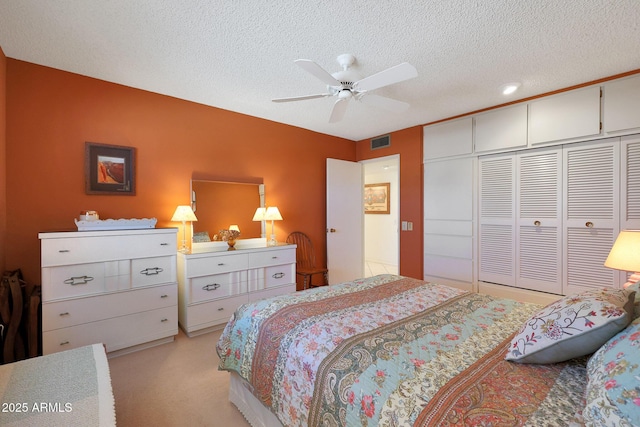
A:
(380, 230)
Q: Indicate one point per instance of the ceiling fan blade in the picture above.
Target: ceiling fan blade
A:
(316, 70)
(384, 102)
(339, 109)
(399, 73)
(301, 98)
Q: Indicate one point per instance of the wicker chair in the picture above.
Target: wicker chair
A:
(306, 260)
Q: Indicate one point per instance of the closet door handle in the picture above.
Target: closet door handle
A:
(589, 224)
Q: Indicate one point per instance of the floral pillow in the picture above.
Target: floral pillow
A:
(573, 326)
(613, 381)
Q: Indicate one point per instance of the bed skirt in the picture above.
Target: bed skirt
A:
(253, 411)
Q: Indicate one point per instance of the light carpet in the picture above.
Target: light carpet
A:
(175, 384)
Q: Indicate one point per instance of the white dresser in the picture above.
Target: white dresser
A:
(213, 284)
(112, 287)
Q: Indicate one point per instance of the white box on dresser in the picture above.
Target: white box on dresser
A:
(214, 283)
(115, 287)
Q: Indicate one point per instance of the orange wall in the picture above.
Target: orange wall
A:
(3, 168)
(408, 144)
(50, 114)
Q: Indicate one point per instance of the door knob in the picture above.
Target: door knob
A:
(589, 224)
(332, 230)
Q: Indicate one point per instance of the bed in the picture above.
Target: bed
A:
(69, 388)
(397, 351)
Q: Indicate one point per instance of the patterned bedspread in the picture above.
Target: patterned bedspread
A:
(395, 351)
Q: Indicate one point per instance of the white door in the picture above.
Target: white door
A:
(345, 221)
(591, 213)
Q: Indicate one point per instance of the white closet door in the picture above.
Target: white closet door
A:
(591, 213)
(630, 181)
(629, 188)
(497, 219)
(539, 219)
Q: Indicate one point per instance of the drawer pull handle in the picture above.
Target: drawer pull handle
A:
(220, 264)
(164, 320)
(82, 280)
(164, 244)
(64, 250)
(278, 276)
(164, 296)
(221, 309)
(212, 287)
(152, 271)
(66, 313)
(64, 343)
(274, 257)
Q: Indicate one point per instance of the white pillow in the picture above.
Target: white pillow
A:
(573, 326)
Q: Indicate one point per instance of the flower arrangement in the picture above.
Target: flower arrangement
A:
(229, 236)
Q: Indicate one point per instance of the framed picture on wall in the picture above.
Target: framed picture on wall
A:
(376, 198)
(109, 169)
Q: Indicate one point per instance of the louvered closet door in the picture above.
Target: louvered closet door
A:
(539, 218)
(497, 219)
(591, 213)
(630, 182)
(630, 188)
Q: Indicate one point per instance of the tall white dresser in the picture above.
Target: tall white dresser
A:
(214, 283)
(113, 287)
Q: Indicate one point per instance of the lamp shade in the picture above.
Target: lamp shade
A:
(259, 215)
(273, 214)
(625, 253)
(184, 213)
(234, 227)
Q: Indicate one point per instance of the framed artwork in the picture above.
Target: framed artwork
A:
(376, 198)
(109, 169)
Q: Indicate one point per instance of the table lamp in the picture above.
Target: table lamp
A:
(625, 254)
(272, 214)
(184, 213)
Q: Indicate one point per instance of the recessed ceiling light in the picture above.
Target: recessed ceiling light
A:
(509, 88)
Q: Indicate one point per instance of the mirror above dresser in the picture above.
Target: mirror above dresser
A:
(218, 204)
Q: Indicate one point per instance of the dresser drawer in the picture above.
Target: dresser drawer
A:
(153, 271)
(207, 266)
(218, 286)
(62, 314)
(212, 313)
(79, 250)
(264, 278)
(73, 281)
(272, 257)
(279, 275)
(115, 333)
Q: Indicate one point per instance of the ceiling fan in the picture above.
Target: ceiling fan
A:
(347, 84)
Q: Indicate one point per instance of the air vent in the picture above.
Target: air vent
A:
(381, 142)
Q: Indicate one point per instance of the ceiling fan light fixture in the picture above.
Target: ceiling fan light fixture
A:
(345, 94)
(510, 88)
(347, 84)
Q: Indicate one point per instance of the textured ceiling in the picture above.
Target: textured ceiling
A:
(238, 55)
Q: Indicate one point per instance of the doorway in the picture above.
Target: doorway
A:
(382, 230)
